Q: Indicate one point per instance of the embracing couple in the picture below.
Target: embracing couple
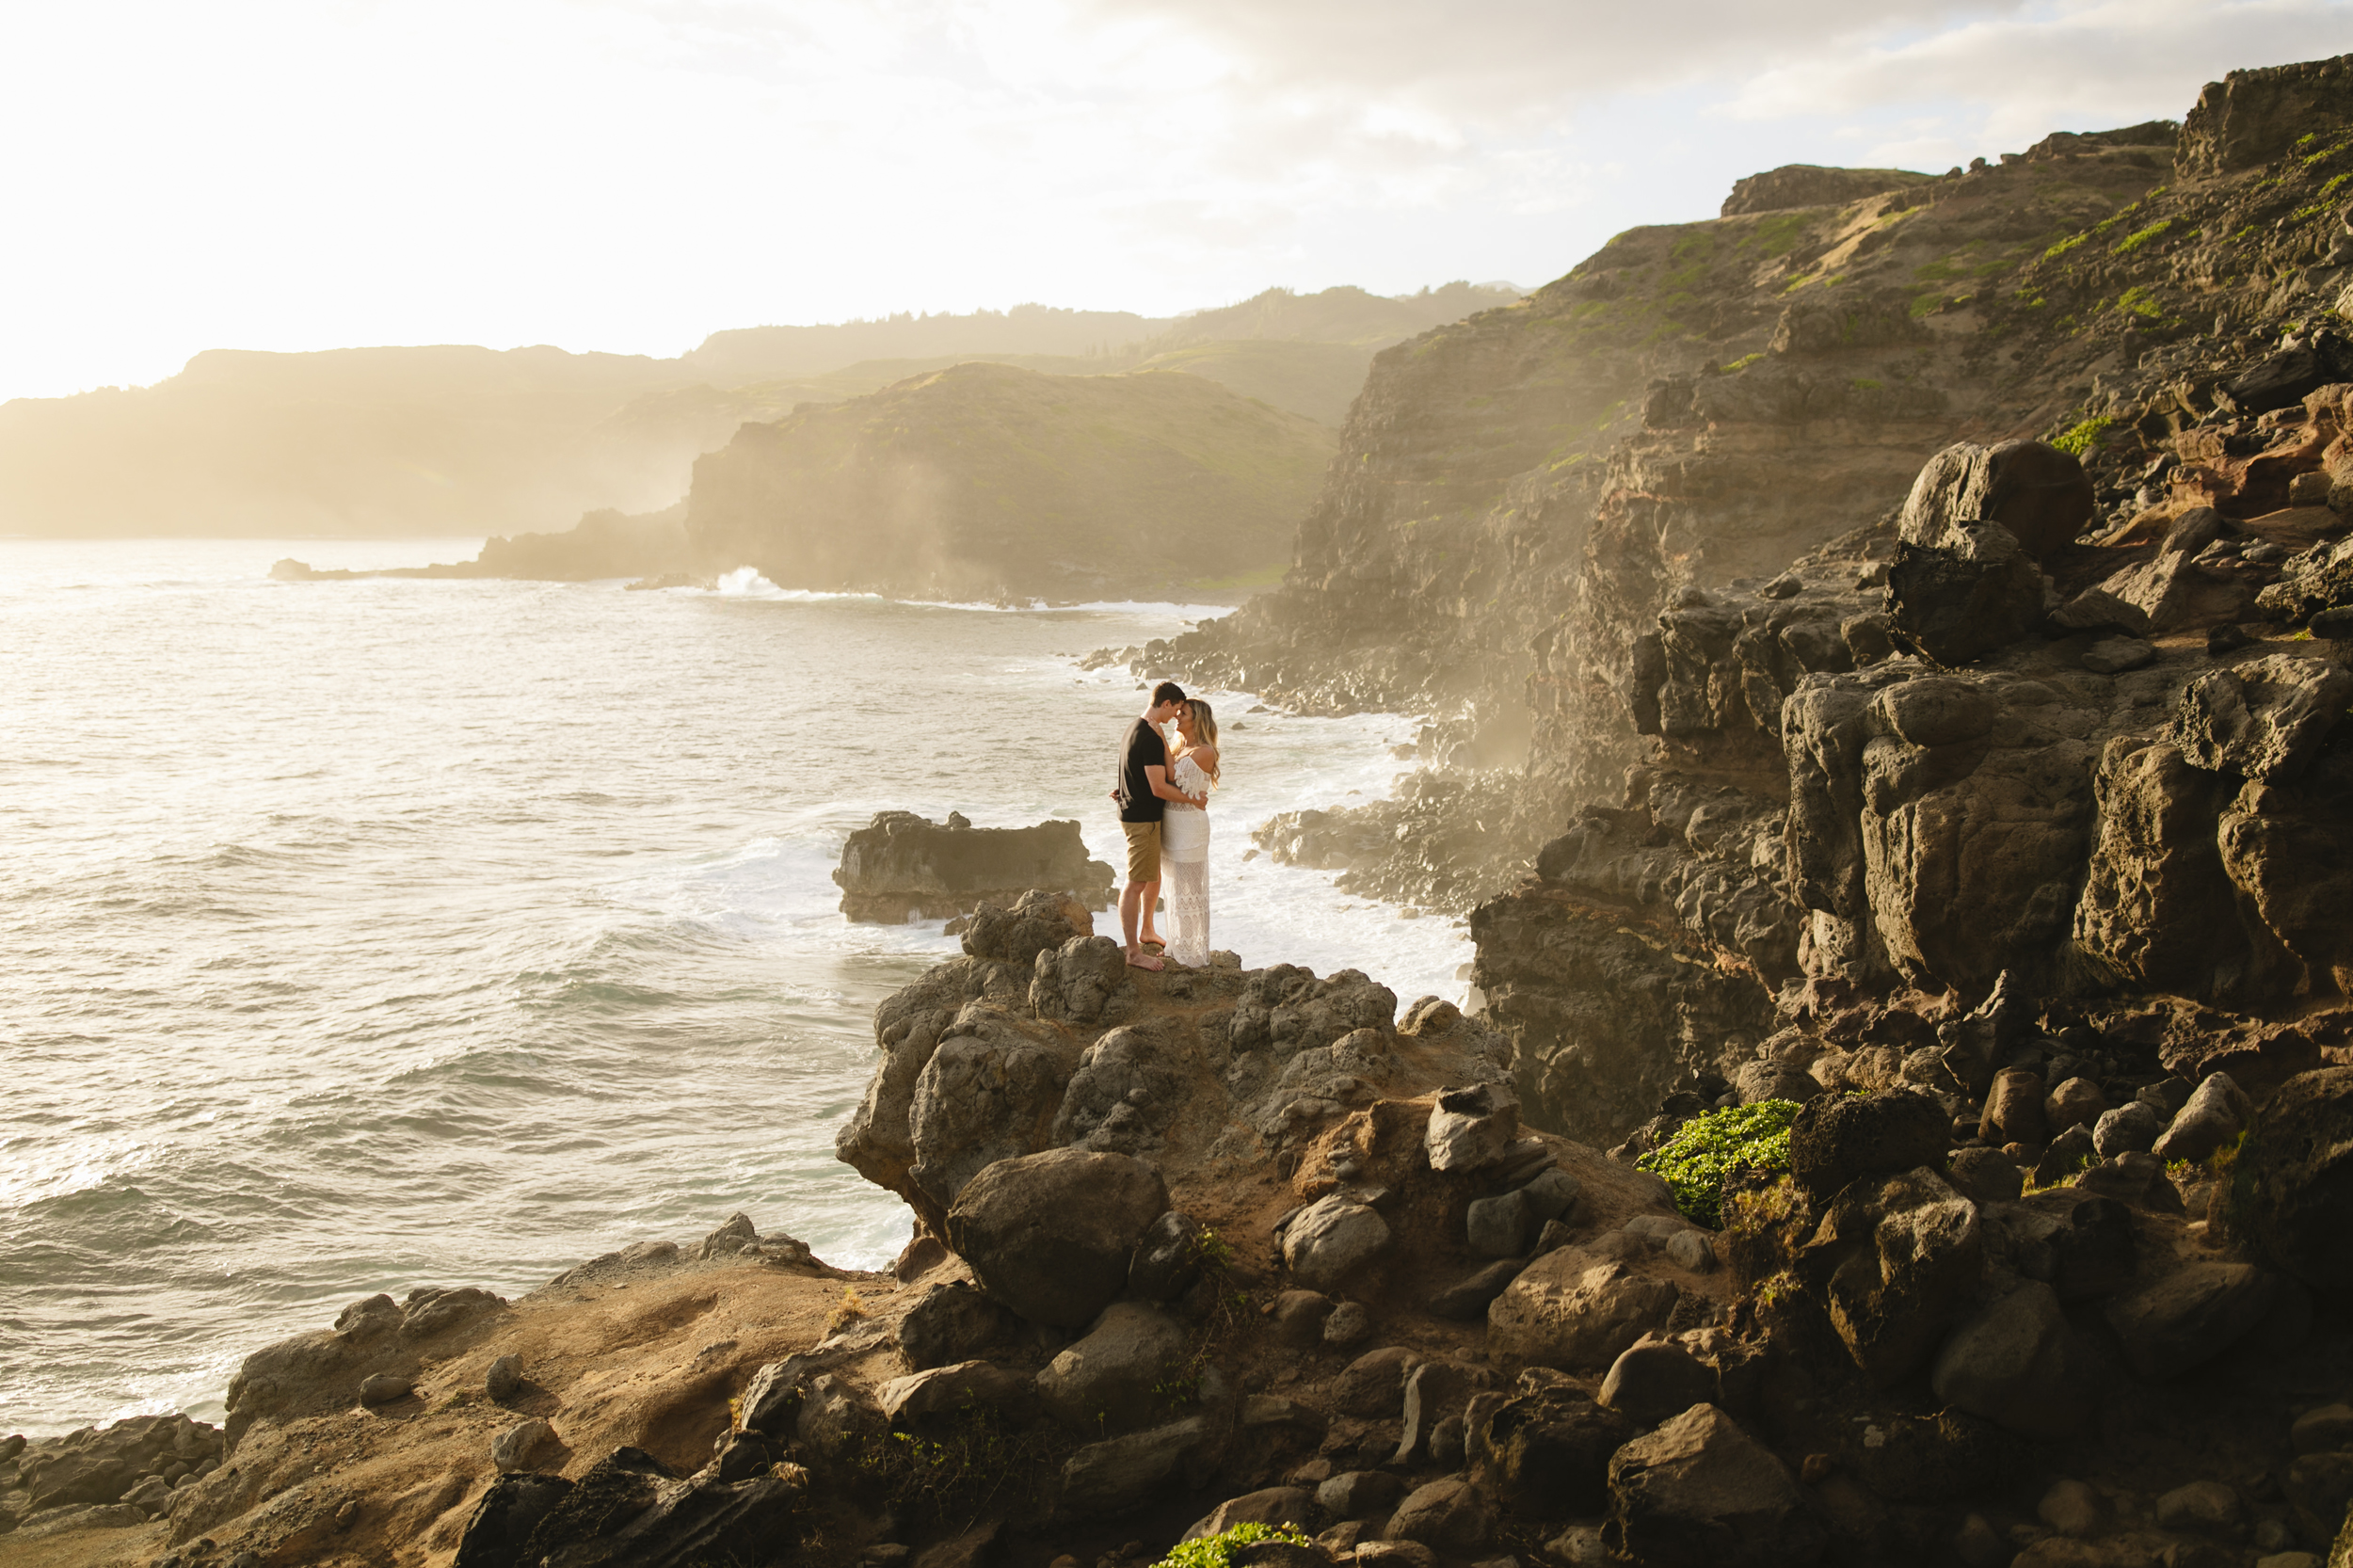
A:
(1163, 802)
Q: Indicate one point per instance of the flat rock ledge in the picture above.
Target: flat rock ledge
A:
(901, 866)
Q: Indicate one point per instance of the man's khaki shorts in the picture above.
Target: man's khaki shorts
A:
(1144, 852)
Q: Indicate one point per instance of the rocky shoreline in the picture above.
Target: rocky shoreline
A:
(1218, 1248)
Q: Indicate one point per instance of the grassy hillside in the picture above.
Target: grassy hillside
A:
(983, 480)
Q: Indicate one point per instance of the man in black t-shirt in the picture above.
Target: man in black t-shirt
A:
(1143, 793)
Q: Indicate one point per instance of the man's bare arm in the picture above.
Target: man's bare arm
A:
(1158, 778)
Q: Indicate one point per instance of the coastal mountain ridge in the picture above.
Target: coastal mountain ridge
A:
(387, 442)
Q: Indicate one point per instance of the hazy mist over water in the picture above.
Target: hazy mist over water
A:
(365, 936)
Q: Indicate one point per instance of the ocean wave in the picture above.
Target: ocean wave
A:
(747, 583)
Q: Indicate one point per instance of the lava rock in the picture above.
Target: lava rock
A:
(1576, 1311)
(2039, 494)
(1447, 1515)
(384, 1387)
(1840, 1138)
(502, 1521)
(2217, 1111)
(1986, 1175)
(1168, 1260)
(2291, 1192)
(1051, 1234)
(2129, 1129)
(2189, 1316)
(1701, 1493)
(2265, 718)
(1274, 1506)
(1497, 1226)
(1115, 1475)
(2077, 1102)
(2017, 1363)
(2013, 1110)
(1106, 1381)
(1956, 604)
(1655, 1380)
(1360, 1495)
(505, 1379)
(1332, 1239)
(949, 1323)
(1546, 1452)
(1373, 1386)
(1891, 1265)
(1472, 1126)
(1466, 1301)
(514, 1449)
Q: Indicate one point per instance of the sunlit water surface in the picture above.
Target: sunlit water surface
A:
(361, 935)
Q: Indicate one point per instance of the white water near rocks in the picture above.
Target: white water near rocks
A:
(361, 935)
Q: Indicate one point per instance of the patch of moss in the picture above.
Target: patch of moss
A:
(1214, 1551)
(1709, 1148)
(1743, 362)
(2140, 237)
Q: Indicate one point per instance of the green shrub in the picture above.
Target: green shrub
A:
(2082, 436)
(1709, 1148)
(1210, 1550)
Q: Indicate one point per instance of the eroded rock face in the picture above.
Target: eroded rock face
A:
(1892, 1265)
(901, 866)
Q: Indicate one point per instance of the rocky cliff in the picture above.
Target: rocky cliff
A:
(1685, 556)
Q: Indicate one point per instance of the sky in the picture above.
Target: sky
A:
(630, 175)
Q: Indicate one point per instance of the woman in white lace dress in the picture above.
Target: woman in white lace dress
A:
(1185, 836)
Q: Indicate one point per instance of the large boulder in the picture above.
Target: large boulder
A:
(1108, 1381)
(1050, 1235)
(1331, 1239)
(2188, 1317)
(1118, 1473)
(1447, 1515)
(1576, 1311)
(1701, 1493)
(2017, 1363)
(2291, 1192)
(1892, 1264)
(901, 866)
(1954, 604)
(2041, 495)
(1546, 1453)
(950, 1323)
(2078, 1243)
(2217, 1111)
(1838, 1139)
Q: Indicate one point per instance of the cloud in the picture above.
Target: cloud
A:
(630, 174)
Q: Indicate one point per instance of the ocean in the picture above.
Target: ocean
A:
(361, 935)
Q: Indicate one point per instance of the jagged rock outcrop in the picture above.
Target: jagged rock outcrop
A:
(1812, 185)
(901, 866)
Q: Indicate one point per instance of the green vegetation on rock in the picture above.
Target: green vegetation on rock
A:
(1213, 1551)
(2081, 437)
(1710, 1148)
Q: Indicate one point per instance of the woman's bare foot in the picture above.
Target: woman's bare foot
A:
(1150, 939)
(1139, 959)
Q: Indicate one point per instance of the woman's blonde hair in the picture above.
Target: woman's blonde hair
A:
(1204, 725)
